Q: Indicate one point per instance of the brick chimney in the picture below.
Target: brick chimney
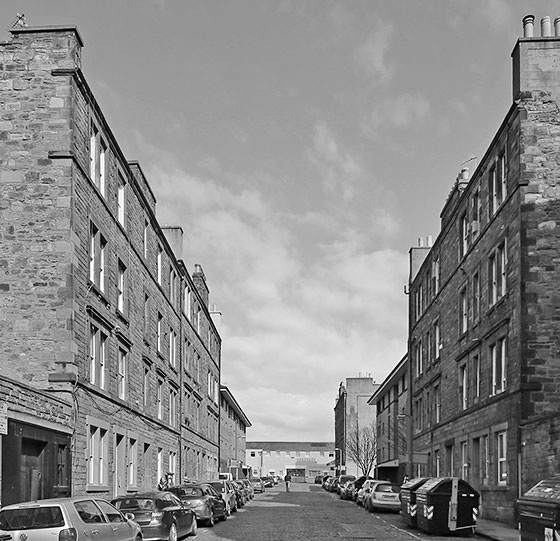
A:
(536, 59)
(200, 283)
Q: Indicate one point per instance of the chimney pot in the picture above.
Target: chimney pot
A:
(546, 28)
(528, 26)
(557, 27)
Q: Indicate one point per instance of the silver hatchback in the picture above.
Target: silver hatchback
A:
(67, 519)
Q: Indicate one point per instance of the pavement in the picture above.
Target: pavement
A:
(492, 529)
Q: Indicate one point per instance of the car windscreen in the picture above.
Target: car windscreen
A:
(218, 486)
(143, 504)
(34, 518)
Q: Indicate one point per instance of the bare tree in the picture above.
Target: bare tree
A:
(361, 447)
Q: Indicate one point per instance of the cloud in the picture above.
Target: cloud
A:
(370, 56)
(294, 324)
(338, 167)
(398, 112)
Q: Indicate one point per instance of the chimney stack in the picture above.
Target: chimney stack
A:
(535, 59)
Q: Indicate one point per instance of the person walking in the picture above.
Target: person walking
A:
(287, 480)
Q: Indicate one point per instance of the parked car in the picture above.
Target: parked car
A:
(366, 489)
(203, 500)
(258, 485)
(240, 493)
(368, 497)
(384, 496)
(319, 479)
(160, 514)
(347, 491)
(248, 487)
(225, 488)
(325, 480)
(62, 518)
(268, 481)
(330, 484)
(341, 480)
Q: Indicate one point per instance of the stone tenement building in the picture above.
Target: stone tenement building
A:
(352, 414)
(391, 404)
(233, 434)
(110, 358)
(484, 342)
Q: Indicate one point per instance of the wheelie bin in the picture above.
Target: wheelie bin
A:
(446, 505)
(408, 500)
(539, 511)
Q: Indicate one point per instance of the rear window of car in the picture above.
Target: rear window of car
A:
(188, 491)
(388, 488)
(145, 504)
(35, 518)
(218, 486)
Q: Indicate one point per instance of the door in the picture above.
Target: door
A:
(32, 469)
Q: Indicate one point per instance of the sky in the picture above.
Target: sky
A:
(303, 146)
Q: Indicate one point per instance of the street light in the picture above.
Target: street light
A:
(337, 461)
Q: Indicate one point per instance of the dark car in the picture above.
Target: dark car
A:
(160, 515)
(319, 479)
(248, 487)
(268, 481)
(242, 493)
(205, 502)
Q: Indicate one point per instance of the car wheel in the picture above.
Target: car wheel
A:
(224, 516)
(210, 522)
(194, 529)
(172, 533)
(228, 510)
(234, 508)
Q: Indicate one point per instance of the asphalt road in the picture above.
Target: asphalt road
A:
(307, 512)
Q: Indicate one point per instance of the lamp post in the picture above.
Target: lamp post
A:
(337, 461)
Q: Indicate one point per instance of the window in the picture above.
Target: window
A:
(146, 315)
(146, 385)
(159, 399)
(435, 276)
(497, 263)
(476, 297)
(437, 463)
(188, 303)
(198, 321)
(160, 265)
(122, 373)
(97, 357)
(97, 160)
(499, 361)
(464, 461)
(419, 358)
(132, 462)
(501, 452)
(159, 463)
(449, 460)
(463, 311)
(121, 199)
(475, 213)
(122, 287)
(437, 403)
(437, 339)
(172, 463)
(491, 192)
(497, 186)
(97, 258)
(98, 442)
(173, 348)
(429, 348)
(463, 386)
(476, 376)
(173, 288)
(173, 407)
(464, 242)
(159, 337)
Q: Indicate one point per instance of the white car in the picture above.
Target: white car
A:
(79, 518)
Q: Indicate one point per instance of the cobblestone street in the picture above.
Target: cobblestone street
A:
(310, 513)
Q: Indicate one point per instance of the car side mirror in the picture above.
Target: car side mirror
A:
(129, 516)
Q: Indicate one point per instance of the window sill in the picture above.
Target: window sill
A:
(97, 488)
